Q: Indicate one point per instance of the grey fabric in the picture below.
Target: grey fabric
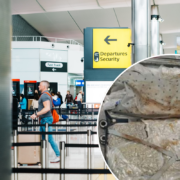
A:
(149, 97)
(146, 92)
(44, 97)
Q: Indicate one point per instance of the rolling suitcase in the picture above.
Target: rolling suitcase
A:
(29, 154)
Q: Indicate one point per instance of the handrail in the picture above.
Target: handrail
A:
(39, 38)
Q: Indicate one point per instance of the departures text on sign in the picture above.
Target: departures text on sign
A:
(109, 56)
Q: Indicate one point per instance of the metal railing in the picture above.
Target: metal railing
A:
(45, 39)
(44, 153)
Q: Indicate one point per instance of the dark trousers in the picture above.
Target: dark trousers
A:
(79, 104)
(69, 103)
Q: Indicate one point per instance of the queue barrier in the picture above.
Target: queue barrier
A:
(44, 158)
(70, 111)
(67, 125)
(69, 120)
(93, 120)
(46, 133)
(56, 125)
(27, 113)
(64, 145)
(60, 171)
(27, 144)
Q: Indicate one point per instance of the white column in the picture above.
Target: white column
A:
(140, 29)
(5, 89)
(155, 44)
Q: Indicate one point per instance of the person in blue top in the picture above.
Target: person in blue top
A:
(23, 102)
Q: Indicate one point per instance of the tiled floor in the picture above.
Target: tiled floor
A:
(76, 159)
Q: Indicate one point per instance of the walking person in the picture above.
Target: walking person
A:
(44, 112)
(60, 96)
(79, 100)
(68, 99)
(23, 102)
(56, 100)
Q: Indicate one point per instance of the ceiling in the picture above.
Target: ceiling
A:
(68, 18)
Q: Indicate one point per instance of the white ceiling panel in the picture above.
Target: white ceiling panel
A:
(40, 6)
(93, 13)
(68, 5)
(124, 16)
(114, 3)
(167, 1)
(81, 41)
(25, 7)
(170, 51)
(95, 18)
(55, 24)
(171, 14)
(170, 39)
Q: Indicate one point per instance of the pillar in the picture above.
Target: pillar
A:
(155, 44)
(5, 90)
(140, 21)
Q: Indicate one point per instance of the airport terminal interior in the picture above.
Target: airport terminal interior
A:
(75, 49)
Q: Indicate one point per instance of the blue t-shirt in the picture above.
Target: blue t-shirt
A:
(44, 97)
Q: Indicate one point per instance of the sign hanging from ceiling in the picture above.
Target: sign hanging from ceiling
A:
(53, 66)
(110, 48)
(79, 82)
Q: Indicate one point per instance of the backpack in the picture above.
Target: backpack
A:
(57, 102)
(55, 115)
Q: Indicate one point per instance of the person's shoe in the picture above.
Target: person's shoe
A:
(56, 160)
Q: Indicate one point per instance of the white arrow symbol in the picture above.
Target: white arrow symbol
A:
(54, 69)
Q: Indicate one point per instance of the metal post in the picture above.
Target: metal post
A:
(105, 175)
(32, 123)
(141, 27)
(15, 155)
(47, 150)
(62, 159)
(79, 117)
(56, 131)
(88, 153)
(19, 123)
(43, 158)
(69, 114)
(67, 136)
(92, 110)
(155, 44)
(92, 122)
(20, 118)
(37, 122)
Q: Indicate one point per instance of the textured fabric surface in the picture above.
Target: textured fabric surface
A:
(148, 96)
(146, 92)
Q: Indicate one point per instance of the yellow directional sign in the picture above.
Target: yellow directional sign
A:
(110, 48)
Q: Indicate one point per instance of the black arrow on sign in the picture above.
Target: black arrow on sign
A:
(107, 40)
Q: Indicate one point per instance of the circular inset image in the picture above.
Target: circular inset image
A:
(139, 121)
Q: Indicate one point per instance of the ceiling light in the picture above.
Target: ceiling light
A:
(162, 43)
(161, 20)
